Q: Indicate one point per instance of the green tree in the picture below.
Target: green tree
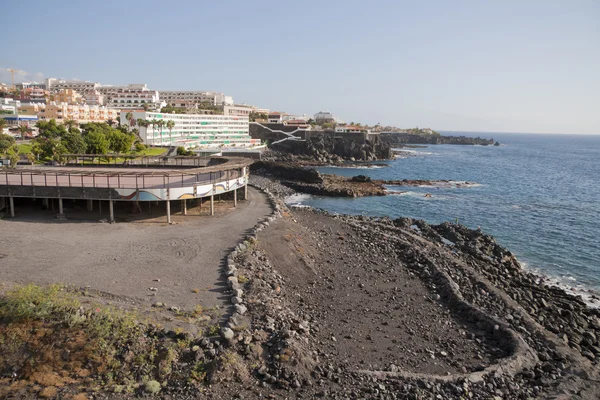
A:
(6, 141)
(120, 142)
(170, 125)
(130, 119)
(24, 130)
(154, 123)
(2, 124)
(172, 110)
(30, 157)
(50, 129)
(45, 147)
(96, 142)
(254, 116)
(70, 124)
(181, 151)
(74, 143)
(58, 153)
(13, 155)
(141, 123)
(161, 125)
(36, 150)
(139, 147)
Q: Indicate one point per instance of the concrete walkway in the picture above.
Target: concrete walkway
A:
(127, 259)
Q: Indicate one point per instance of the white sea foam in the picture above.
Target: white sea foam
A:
(566, 283)
(414, 152)
(451, 185)
(367, 166)
(297, 199)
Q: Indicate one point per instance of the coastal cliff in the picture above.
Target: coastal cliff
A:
(323, 147)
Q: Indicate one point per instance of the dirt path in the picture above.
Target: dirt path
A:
(181, 261)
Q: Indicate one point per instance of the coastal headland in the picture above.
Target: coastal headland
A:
(308, 180)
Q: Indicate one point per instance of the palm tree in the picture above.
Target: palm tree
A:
(170, 125)
(161, 125)
(110, 122)
(142, 123)
(24, 129)
(129, 118)
(154, 122)
(69, 123)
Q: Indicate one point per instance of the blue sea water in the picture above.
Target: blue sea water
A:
(539, 195)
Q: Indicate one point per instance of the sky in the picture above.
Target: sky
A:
(498, 66)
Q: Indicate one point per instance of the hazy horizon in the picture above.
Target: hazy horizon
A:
(507, 67)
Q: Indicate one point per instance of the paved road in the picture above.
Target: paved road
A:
(125, 258)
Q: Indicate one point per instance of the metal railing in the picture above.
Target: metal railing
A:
(116, 179)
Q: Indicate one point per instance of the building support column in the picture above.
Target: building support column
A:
(52, 204)
(111, 212)
(90, 205)
(61, 211)
(168, 211)
(11, 200)
(212, 204)
(184, 206)
(235, 197)
(45, 204)
(100, 206)
(246, 191)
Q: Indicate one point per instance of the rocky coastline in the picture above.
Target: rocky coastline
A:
(406, 138)
(308, 180)
(345, 306)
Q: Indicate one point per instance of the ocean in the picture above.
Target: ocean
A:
(538, 195)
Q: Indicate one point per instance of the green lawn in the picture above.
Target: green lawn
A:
(153, 151)
(25, 148)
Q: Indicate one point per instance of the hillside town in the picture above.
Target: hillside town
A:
(193, 121)
(73, 102)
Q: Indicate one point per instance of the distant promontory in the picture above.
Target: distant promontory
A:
(429, 136)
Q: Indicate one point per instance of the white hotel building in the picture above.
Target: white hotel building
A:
(195, 130)
(132, 96)
(214, 98)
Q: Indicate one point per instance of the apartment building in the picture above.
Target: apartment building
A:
(82, 87)
(259, 110)
(194, 130)
(94, 98)
(132, 96)
(214, 98)
(68, 96)
(9, 105)
(82, 113)
(31, 108)
(326, 117)
(237, 109)
(30, 85)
